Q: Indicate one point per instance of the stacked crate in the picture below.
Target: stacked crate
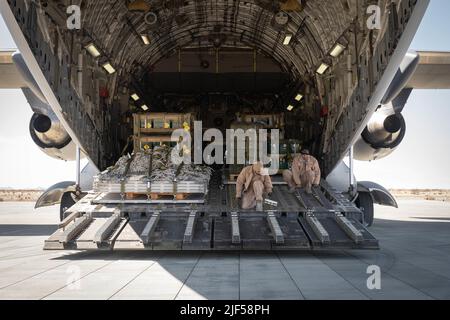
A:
(155, 129)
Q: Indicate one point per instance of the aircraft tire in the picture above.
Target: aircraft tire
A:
(67, 201)
(365, 203)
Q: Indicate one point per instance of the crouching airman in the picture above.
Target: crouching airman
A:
(305, 173)
(252, 185)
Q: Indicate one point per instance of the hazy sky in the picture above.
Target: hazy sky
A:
(421, 161)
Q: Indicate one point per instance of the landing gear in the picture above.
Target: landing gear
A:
(68, 200)
(365, 203)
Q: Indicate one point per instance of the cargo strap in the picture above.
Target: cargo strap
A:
(175, 184)
(149, 174)
(124, 176)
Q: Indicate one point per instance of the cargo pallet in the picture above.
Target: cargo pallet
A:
(133, 186)
(323, 220)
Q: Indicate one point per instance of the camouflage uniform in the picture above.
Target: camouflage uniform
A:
(305, 172)
(251, 187)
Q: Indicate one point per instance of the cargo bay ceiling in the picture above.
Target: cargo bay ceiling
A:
(134, 37)
(116, 28)
(315, 27)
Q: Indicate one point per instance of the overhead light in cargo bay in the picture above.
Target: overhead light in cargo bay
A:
(290, 107)
(135, 97)
(109, 68)
(93, 51)
(323, 67)
(299, 97)
(337, 50)
(287, 39)
(145, 39)
(144, 107)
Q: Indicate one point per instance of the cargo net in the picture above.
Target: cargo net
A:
(153, 171)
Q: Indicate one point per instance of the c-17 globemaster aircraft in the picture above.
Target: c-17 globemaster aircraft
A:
(338, 73)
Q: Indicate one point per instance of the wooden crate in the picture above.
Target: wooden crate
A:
(155, 122)
(152, 129)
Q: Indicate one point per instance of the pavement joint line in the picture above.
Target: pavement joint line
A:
(139, 274)
(86, 275)
(386, 273)
(407, 253)
(22, 257)
(340, 275)
(420, 267)
(397, 278)
(189, 275)
(18, 252)
(290, 276)
(8, 242)
(390, 256)
(36, 274)
(57, 255)
(12, 233)
(15, 256)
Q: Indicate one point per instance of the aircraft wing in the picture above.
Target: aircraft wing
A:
(10, 77)
(433, 71)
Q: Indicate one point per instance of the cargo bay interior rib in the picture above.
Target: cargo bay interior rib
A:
(213, 58)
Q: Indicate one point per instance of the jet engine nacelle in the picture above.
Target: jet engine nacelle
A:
(45, 128)
(383, 134)
(50, 136)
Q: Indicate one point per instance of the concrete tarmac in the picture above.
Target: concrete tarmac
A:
(414, 261)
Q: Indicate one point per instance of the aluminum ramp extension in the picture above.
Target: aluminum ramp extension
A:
(334, 231)
(180, 231)
(259, 231)
(166, 231)
(97, 227)
(276, 228)
(328, 228)
(318, 223)
(197, 231)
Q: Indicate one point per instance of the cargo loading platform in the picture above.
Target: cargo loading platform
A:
(300, 221)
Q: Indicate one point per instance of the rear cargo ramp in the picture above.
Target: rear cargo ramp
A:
(297, 221)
